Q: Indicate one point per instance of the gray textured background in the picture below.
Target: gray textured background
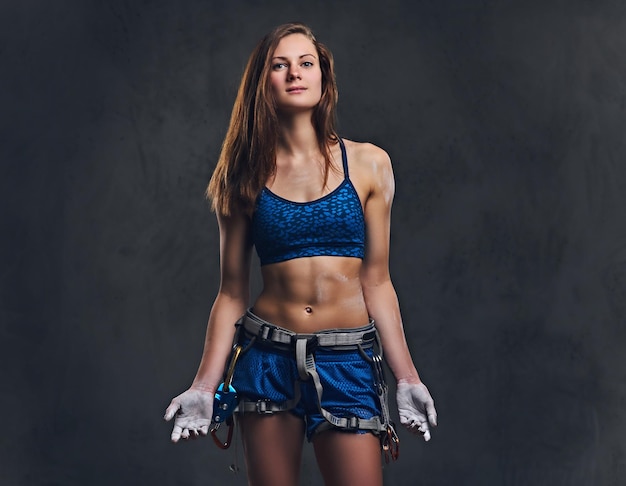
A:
(505, 121)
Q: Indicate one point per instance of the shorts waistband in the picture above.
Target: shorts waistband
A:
(350, 338)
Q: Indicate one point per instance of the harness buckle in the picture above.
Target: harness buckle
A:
(265, 333)
(261, 407)
(353, 423)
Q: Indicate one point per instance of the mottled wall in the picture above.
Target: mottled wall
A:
(505, 121)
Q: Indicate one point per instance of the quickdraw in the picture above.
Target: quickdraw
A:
(225, 403)
(391, 444)
(389, 440)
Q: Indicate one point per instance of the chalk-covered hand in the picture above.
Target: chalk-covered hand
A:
(416, 408)
(193, 410)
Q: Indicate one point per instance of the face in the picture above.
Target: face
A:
(295, 74)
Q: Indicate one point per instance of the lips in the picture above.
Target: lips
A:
(296, 89)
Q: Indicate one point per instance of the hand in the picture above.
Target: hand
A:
(416, 408)
(193, 410)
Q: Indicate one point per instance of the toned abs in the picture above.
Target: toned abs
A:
(306, 295)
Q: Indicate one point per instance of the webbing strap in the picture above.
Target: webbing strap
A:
(268, 406)
(301, 356)
(308, 364)
(265, 331)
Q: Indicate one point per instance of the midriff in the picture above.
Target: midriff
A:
(310, 294)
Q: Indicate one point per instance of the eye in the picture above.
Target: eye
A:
(279, 65)
(307, 64)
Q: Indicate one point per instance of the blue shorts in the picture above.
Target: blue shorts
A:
(267, 373)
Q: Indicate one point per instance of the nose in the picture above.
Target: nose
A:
(294, 72)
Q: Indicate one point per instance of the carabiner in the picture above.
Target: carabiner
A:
(229, 436)
(391, 444)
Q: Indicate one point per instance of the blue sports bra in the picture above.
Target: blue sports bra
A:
(331, 225)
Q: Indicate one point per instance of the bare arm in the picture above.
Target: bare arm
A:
(380, 295)
(231, 301)
(193, 408)
(415, 405)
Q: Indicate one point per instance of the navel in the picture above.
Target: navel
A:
(308, 309)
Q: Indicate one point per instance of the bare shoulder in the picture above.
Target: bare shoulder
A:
(368, 154)
(370, 167)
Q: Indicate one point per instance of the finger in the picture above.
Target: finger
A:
(185, 434)
(407, 421)
(176, 433)
(412, 425)
(432, 418)
(432, 414)
(171, 411)
(422, 427)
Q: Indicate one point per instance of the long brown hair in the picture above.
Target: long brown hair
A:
(248, 156)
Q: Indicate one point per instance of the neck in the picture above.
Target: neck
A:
(297, 134)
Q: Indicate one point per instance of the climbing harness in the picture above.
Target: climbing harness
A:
(304, 346)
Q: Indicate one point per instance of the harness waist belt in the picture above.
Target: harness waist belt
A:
(335, 338)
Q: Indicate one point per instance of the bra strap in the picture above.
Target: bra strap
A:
(344, 159)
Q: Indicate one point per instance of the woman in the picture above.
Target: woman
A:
(317, 209)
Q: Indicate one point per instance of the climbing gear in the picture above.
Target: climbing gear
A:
(304, 346)
(225, 403)
(339, 339)
(390, 443)
(389, 440)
